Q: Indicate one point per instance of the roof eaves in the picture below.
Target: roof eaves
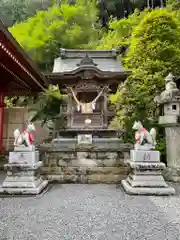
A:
(77, 53)
(24, 55)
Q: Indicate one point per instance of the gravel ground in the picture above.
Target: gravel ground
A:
(102, 212)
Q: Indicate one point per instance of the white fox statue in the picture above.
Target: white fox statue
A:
(25, 138)
(142, 135)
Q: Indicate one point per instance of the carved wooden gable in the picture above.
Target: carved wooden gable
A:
(86, 61)
(87, 86)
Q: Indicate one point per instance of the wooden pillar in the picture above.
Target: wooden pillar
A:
(1, 118)
(69, 110)
(105, 112)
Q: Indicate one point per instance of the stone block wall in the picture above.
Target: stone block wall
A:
(85, 167)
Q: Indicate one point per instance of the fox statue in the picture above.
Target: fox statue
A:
(142, 135)
(26, 137)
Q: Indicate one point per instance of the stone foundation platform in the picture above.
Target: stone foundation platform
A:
(103, 161)
(146, 176)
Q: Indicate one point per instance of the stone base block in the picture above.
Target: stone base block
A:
(25, 189)
(19, 183)
(146, 181)
(19, 168)
(145, 156)
(143, 167)
(90, 179)
(24, 157)
(159, 191)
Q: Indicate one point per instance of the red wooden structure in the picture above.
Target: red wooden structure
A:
(19, 76)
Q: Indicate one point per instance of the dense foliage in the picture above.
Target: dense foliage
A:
(121, 30)
(48, 107)
(153, 52)
(173, 4)
(12, 11)
(68, 26)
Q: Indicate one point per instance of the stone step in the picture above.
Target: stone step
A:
(86, 174)
(87, 179)
(147, 183)
(147, 190)
(66, 170)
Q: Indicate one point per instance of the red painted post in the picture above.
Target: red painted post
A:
(1, 119)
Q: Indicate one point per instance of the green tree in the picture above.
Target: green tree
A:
(173, 4)
(154, 52)
(123, 8)
(67, 26)
(12, 11)
(121, 31)
(156, 41)
(48, 106)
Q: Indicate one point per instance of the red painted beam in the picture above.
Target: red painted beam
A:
(1, 119)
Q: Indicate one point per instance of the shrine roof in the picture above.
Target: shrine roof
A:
(72, 59)
(19, 74)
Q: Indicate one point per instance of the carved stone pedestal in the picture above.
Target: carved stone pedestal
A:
(146, 177)
(23, 174)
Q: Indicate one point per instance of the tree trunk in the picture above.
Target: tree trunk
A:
(162, 3)
(152, 4)
(148, 3)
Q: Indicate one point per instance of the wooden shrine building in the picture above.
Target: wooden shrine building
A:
(87, 76)
(19, 74)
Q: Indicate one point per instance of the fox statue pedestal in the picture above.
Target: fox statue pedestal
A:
(146, 177)
(23, 177)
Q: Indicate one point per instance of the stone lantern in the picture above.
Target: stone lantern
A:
(169, 100)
